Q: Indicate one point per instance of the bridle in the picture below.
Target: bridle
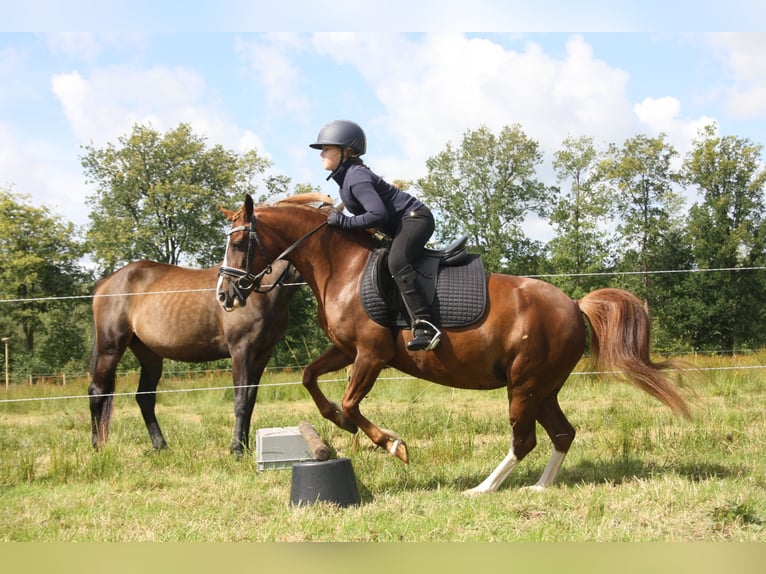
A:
(243, 282)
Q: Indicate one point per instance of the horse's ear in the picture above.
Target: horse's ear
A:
(248, 205)
(228, 213)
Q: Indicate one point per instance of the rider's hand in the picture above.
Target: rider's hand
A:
(336, 219)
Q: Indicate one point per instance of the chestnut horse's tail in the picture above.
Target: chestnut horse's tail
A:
(620, 340)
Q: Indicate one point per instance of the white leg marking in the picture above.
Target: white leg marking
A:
(497, 477)
(394, 446)
(551, 471)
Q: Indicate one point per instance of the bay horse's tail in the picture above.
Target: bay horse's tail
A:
(620, 329)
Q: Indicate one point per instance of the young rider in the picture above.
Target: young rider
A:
(375, 203)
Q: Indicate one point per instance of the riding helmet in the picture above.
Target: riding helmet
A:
(342, 133)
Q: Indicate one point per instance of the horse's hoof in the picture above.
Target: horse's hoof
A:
(398, 448)
(475, 491)
(534, 488)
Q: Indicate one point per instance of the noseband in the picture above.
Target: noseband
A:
(243, 282)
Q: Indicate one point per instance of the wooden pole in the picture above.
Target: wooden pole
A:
(316, 445)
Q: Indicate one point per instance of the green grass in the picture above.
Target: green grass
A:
(635, 473)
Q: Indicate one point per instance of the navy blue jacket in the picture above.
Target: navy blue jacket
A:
(374, 202)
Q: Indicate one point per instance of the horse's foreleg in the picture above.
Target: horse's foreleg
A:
(146, 397)
(331, 360)
(363, 377)
(247, 373)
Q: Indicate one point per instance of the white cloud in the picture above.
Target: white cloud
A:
(747, 103)
(269, 63)
(105, 105)
(436, 87)
(13, 62)
(40, 169)
(108, 102)
(744, 54)
(79, 45)
(663, 115)
(413, 93)
(658, 113)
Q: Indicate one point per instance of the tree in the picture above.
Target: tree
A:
(581, 244)
(157, 196)
(649, 204)
(39, 259)
(485, 189)
(728, 231)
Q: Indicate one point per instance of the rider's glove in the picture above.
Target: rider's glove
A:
(337, 219)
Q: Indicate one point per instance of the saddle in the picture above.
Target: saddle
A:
(452, 279)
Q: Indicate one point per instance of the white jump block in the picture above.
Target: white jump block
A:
(280, 447)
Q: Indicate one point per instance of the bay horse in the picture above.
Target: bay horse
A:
(528, 340)
(162, 311)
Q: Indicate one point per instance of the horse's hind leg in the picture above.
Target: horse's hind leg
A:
(101, 406)
(561, 433)
(523, 407)
(101, 393)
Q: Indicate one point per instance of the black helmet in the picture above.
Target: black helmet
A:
(342, 133)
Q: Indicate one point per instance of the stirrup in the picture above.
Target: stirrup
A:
(431, 330)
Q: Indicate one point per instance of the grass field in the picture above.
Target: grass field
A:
(635, 473)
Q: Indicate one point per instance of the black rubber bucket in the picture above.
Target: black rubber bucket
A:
(324, 481)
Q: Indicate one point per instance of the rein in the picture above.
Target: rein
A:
(244, 281)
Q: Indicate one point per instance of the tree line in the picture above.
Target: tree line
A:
(617, 216)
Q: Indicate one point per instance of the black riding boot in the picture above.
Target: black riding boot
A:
(425, 335)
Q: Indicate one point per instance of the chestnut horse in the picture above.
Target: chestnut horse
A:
(162, 311)
(529, 339)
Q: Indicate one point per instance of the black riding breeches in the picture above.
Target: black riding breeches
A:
(408, 243)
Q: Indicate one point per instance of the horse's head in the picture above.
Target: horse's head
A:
(236, 279)
(246, 261)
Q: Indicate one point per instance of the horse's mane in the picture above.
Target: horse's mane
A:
(311, 199)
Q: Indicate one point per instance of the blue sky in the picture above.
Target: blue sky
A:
(600, 69)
